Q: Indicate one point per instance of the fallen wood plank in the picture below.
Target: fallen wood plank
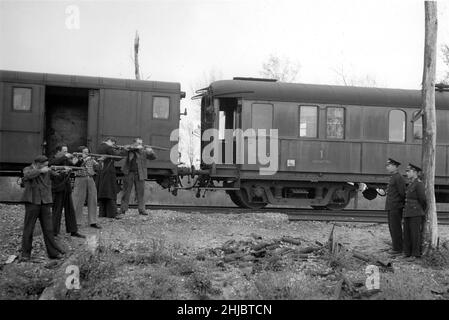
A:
(233, 256)
(260, 246)
(338, 289)
(291, 240)
(309, 249)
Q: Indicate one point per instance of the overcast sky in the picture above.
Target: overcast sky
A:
(182, 41)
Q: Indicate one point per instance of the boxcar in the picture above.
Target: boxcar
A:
(39, 111)
(331, 139)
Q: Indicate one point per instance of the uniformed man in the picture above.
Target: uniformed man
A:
(394, 204)
(414, 212)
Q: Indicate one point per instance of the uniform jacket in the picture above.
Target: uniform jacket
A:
(141, 160)
(107, 178)
(415, 199)
(395, 192)
(37, 186)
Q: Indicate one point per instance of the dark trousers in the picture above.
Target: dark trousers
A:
(132, 178)
(412, 235)
(63, 200)
(395, 226)
(107, 207)
(32, 213)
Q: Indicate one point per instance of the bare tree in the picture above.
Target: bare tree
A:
(343, 78)
(136, 56)
(190, 125)
(430, 234)
(281, 69)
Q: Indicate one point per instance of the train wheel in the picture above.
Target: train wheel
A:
(240, 198)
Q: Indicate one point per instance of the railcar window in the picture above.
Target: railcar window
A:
(22, 99)
(161, 107)
(308, 121)
(335, 123)
(397, 126)
(417, 128)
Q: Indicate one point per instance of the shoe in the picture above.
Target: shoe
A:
(143, 213)
(394, 252)
(94, 225)
(76, 234)
(57, 257)
(117, 217)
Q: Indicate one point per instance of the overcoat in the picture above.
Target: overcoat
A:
(395, 192)
(107, 178)
(415, 200)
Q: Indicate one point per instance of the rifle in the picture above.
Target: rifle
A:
(96, 155)
(130, 147)
(65, 168)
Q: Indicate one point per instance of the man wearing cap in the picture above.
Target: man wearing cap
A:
(414, 211)
(38, 199)
(394, 205)
(62, 194)
(107, 179)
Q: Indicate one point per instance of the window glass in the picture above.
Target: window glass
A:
(335, 122)
(262, 116)
(161, 107)
(22, 99)
(397, 126)
(308, 120)
(417, 127)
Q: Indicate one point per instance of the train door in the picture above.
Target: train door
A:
(21, 122)
(228, 122)
(66, 118)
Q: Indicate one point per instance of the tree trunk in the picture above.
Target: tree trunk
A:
(430, 232)
(136, 56)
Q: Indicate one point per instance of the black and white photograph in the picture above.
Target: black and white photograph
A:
(224, 154)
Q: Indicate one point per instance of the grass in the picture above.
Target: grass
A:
(23, 284)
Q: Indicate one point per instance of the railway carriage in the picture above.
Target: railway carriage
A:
(331, 140)
(39, 111)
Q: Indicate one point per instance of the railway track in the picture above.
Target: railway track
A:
(294, 214)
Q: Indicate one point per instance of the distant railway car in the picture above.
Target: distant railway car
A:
(331, 139)
(39, 111)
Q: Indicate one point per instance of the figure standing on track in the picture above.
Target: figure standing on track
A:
(135, 171)
(38, 198)
(85, 185)
(394, 205)
(62, 194)
(414, 213)
(107, 180)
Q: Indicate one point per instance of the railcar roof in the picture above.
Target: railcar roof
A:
(52, 79)
(326, 94)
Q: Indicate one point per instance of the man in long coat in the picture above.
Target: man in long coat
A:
(107, 180)
(394, 205)
(414, 212)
